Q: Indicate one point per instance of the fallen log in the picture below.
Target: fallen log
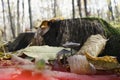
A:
(20, 42)
(58, 32)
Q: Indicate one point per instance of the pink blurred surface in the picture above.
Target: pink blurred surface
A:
(21, 74)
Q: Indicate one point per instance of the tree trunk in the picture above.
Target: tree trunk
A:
(98, 12)
(110, 9)
(116, 10)
(3, 11)
(85, 7)
(30, 13)
(79, 7)
(73, 9)
(18, 17)
(22, 14)
(21, 41)
(10, 17)
(55, 4)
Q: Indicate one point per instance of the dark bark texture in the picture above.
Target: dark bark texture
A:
(30, 13)
(73, 9)
(20, 42)
(72, 30)
(10, 17)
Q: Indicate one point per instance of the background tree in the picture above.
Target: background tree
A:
(98, 12)
(3, 11)
(23, 13)
(73, 9)
(30, 13)
(85, 7)
(18, 18)
(116, 10)
(10, 18)
(110, 9)
(55, 5)
(79, 7)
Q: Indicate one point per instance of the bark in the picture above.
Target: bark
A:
(85, 6)
(55, 4)
(22, 41)
(22, 12)
(10, 17)
(98, 12)
(73, 9)
(111, 10)
(30, 13)
(3, 10)
(72, 30)
(18, 18)
(79, 7)
(116, 9)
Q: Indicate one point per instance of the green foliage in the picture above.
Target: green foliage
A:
(110, 30)
(40, 64)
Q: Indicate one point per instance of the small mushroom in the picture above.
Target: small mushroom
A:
(71, 45)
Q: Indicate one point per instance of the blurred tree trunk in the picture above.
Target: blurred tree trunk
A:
(30, 13)
(85, 7)
(10, 18)
(116, 10)
(22, 13)
(18, 18)
(55, 4)
(73, 9)
(98, 12)
(3, 11)
(79, 7)
(110, 9)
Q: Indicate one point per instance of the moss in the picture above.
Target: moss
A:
(109, 29)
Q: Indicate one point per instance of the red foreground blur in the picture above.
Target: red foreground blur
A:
(21, 74)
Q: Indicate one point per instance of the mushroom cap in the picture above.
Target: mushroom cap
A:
(71, 44)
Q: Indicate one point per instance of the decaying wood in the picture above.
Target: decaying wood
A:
(71, 30)
(22, 41)
(75, 30)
